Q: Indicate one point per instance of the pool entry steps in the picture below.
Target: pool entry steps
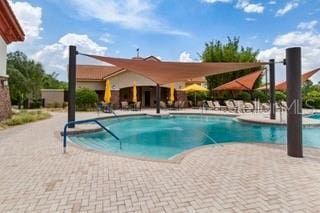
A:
(72, 123)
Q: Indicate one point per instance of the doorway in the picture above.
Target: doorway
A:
(147, 98)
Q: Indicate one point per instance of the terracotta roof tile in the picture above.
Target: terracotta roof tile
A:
(94, 72)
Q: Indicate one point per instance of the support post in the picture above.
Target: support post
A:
(294, 114)
(158, 92)
(72, 85)
(272, 89)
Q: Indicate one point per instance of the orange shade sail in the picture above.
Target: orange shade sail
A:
(170, 72)
(243, 83)
(305, 76)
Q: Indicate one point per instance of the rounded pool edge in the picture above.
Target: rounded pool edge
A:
(179, 156)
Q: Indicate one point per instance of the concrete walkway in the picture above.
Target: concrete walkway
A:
(36, 177)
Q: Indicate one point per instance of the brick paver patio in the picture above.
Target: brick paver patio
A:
(36, 177)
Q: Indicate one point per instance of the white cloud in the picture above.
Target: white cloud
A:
(272, 2)
(298, 38)
(249, 7)
(29, 18)
(288, 7)
(185, 57)
(130, 14)
(308, 40)
(215, 1)
(54, 57)
(107, 38)
(307, 25)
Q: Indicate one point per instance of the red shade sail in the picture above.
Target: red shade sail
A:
(243, 83)
(169, 72)
(305, 76)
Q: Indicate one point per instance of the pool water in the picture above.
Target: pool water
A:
(314, 116)
(165, 137)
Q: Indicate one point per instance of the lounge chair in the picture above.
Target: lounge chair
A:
(210, 105)
(257, 106)
(239, 105)
(137, 106)
(181, 104)
(163, 105)
(284, 105)
(176, 105)
(124, 105)
(217, 106)
(248, 107)
(230, 105)
(265, 107)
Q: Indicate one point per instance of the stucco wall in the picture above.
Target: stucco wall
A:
(126, 79)
(52, 96)
(95, 85)
(3, 57)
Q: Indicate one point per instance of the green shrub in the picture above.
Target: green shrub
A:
(280, 96)
(200, 96)
(26, 117)
(312, 100)
(245, 96)
(86, 99)
(260, 95)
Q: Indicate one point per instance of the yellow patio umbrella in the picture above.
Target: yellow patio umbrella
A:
(107, 92)
(172, 93)
(134, 98)
(195, 88)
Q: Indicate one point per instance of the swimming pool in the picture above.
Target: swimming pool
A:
(164, 137)
(314, 116)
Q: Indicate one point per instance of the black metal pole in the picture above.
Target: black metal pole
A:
(272, 89)
(294, 115)
(72, 85)
(158, 98)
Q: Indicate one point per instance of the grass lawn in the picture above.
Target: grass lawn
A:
(24, 117)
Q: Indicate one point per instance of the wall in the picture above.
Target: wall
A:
(95, 85)
(52, 96)
(5, 103)
(3, 57)
(125, 79)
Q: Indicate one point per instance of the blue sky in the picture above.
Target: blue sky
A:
(169, 29)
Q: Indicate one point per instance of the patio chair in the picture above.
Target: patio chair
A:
(217, 106)
(284, 105)
(163, 105)
(257, 106)
(210, 105)
(181, 104)
(124, 105)
(137, 106)
(176, 105)
(239, 105)
(230, 105)
(265, 107)
(248, 107)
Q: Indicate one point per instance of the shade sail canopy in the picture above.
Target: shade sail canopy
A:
(195, 88)
(283, 85)
(243, 83)
(305, 76)
(169, 72)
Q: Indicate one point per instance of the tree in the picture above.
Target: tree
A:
(216, 51)
(50, 81)
(27, 78)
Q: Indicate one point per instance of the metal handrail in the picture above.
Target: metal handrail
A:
(82, 122)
